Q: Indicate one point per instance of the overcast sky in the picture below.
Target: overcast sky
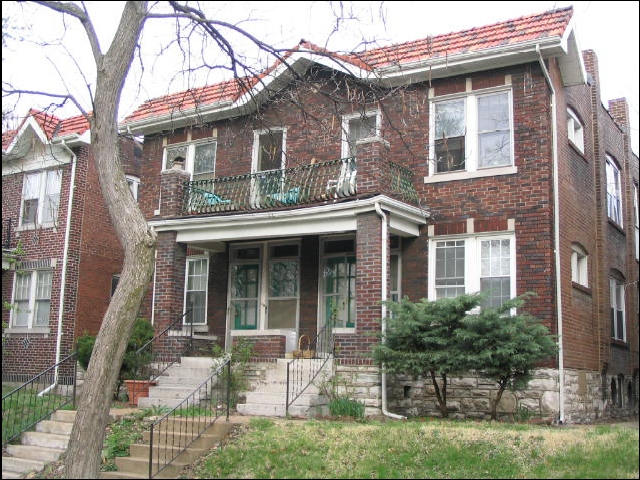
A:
(609, 28)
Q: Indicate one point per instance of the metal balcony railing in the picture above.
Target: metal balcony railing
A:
(306, 184)
(7, 233)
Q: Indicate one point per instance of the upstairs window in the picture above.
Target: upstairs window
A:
(40, 197)
(270, 145)
(133, 183)
(357, 128)
(471, 133)
(616, 292)
(579, 266)
(575, 130)
(637, 223)
(199, 159)
(614, 192)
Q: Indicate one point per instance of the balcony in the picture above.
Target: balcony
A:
(333, 181)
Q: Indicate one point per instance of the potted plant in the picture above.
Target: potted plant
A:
(135, 371)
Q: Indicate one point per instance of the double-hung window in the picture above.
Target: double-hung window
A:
(357, 128)
(471, 132)
(579, 266)
(484, 264)
(616, 292)
(198, 158)
(32, 298)
(40, 197)
(268, 164)
(614, 192)
(575, 130)
(196, 291)
(133, 183)
(636, 220)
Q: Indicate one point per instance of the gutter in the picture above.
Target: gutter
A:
(65, 255)
(556, 237)
(384, 239)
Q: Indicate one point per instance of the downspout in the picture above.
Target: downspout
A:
(63, 276)
(384, 239)
(556, 236)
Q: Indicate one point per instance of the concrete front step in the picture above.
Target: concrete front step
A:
(46, 444)
(33, 452)
(136, 465)
(42, 439)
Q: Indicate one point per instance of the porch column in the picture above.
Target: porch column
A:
(373, 175)
(369, 283)
(169, 280)
(171, 191)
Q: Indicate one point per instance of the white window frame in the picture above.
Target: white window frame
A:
(133, 183)
(636, 220)
(264, 260)
(255, 155)
(575, 130)
(189, 158)
(614, 191)
(472, 137)
(472, 260)
(616, 294)
(33, 295)
(191, 259)
(579, 265)
(43, 196)
(346, 131)
(324, 257)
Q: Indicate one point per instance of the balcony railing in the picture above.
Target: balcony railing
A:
(7, 231)
(306, 184)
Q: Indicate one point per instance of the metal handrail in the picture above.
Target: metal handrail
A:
(160, 355)
(172, 434)
(24, 407)
(301, 371)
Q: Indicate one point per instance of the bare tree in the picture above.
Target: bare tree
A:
(137, 238)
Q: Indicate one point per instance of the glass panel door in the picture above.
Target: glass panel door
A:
(283, 294)
(245, 283)
(339, 291)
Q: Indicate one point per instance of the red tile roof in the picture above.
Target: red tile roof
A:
(550, 24)
(51, 125)
(523, 29)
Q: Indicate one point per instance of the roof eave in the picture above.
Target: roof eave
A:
(570, 60)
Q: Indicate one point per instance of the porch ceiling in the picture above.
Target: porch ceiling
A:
(211, 232)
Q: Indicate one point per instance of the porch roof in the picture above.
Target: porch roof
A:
(211, 232)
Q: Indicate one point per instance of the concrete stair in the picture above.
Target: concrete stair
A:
(45, 444)
(178, 381)
(136, 465)
(268, 399)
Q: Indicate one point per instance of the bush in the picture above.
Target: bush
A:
(133, 365)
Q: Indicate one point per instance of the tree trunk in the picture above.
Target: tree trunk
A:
(496, 400)
(138, 242)
(441, 396)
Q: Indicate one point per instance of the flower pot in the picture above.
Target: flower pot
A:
(137, 389)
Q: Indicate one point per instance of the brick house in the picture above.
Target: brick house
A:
(56, 229)
(482, 160)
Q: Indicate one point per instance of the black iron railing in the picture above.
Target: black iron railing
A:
(310, 183)
(302, 371)
(37, 399)
(177, 430)
(7, 233)
(161, 352)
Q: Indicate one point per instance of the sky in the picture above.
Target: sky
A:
(610, 28)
